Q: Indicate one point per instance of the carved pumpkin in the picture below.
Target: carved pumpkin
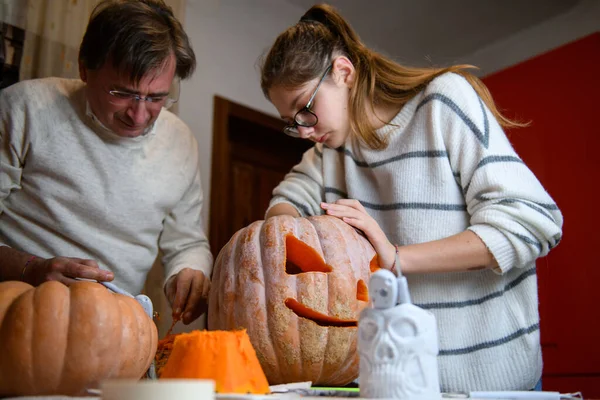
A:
(227, 357)
(297, 285)
(56, 339)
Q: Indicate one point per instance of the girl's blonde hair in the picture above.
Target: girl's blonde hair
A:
(303, 51)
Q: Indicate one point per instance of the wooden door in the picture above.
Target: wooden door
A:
(251, 155)
(557, 92)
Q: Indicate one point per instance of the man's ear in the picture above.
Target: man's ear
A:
(343, 71)
(82, 71)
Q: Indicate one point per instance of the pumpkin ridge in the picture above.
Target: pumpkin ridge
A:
(34, 334)
(124, 314)
(260, 256)
(311, 252)
(27, 336)
(334, 225)
(213, 296)
(280, 228)
(315, 223)
(64, 385)
(29, 297)
(310, 351)
(9, 291)
(214, 307)
(154, 332)
(351, 359)
(232, 320)
(146, 352)
(224, 318)
(48, 303)
(116, 304)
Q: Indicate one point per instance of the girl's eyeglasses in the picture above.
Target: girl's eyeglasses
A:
(305, 117)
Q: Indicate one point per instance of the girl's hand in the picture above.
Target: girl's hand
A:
(355, 215)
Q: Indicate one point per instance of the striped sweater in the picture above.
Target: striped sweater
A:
(450, 167)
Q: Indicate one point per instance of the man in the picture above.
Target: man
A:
(96, 175)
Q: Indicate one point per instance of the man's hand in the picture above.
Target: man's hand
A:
(187, 293)
(65, 270)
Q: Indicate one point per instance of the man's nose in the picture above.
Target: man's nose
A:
(138, 112)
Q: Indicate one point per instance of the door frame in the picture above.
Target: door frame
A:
(221, 158)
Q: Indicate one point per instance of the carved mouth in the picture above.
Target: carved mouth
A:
(318, 318)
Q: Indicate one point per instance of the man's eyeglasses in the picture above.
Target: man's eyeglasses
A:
(166, 101)
(305, 117)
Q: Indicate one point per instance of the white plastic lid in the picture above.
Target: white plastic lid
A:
(162, 389)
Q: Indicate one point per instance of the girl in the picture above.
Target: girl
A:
(416, 158)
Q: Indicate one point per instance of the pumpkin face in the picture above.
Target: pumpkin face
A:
(56, 339)
(297, 285)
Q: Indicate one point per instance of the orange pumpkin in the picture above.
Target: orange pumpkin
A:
(163, 352)
(297, 285)
(227, 357)
(63, 340)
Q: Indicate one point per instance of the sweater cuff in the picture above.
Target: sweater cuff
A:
(280, 199)
(498, 244)
(204, 266)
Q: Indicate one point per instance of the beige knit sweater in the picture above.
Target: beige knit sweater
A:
(69, 187)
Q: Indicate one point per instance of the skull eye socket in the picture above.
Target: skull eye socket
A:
(368, 329)
(405, 328)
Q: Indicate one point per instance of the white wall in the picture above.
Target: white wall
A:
(228, 37)
(13, 12)
(582, 20)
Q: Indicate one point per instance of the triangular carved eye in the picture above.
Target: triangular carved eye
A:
(300, 258)
(374, 264)
(362, 291)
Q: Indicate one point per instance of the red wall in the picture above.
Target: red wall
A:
(559, 92)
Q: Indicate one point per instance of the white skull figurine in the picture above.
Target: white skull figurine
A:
(397, 344)
(383, 289)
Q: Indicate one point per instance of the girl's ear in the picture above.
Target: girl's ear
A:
(343, 71)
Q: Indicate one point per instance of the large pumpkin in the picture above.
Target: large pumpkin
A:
(56, 339)
(297, 285)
